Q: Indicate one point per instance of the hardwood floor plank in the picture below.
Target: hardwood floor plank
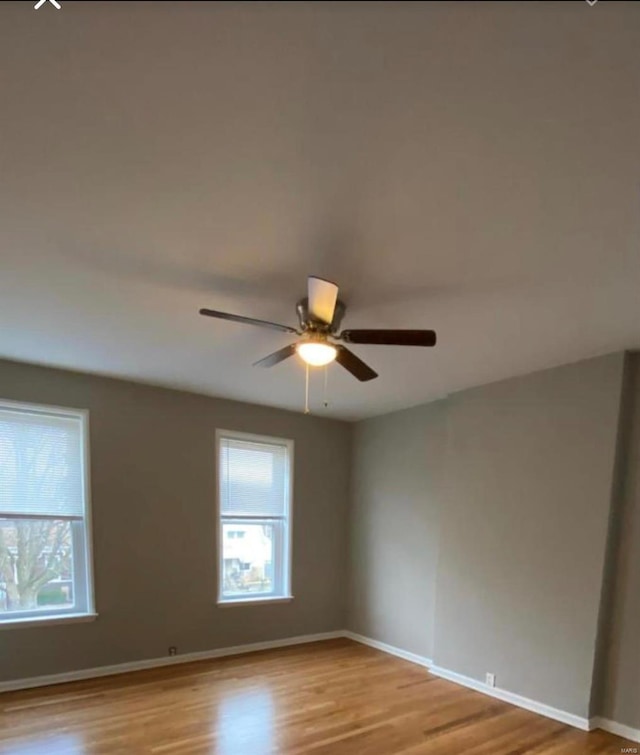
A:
(330, 698)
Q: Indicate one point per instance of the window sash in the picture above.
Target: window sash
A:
(39, 517)
(227, 519)
(42, 452)
(82, 596)
(280, 534)
(253, 476)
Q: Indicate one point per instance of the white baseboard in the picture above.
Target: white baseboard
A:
(511, 697)
(615, 728)
(391, 649)
(124, 668)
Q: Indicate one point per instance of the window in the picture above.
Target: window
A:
(254, 512)
(45, 567)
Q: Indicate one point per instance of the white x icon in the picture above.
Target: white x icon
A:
(40, 3)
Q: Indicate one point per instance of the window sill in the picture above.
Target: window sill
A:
(43, 621)
(255, 601)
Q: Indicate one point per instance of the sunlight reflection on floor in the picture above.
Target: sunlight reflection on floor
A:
(62, 744)
(245, 723)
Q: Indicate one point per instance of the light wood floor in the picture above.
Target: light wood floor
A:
(329, 698)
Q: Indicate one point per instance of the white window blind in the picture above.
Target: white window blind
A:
(41, 465)
(253, 478)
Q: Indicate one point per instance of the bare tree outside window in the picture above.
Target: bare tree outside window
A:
(33, 554)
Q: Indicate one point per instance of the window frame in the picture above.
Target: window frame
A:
(283, 566)
(84, 609)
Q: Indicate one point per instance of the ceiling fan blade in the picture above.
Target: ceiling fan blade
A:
(322, 296)
(277, 356)
(354, 364)
(390, 337)
(248, 321)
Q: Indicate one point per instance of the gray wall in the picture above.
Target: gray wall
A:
(529, 473)
(394, 527)
(618, 698)
(153, 493)
(512, 533)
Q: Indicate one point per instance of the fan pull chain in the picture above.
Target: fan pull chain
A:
(326, 379)
(306, 390)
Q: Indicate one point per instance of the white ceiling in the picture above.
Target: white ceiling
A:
(470, 167)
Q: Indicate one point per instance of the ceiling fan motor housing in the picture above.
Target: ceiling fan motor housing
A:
(309, 323)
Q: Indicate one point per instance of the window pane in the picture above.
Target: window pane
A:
(36, 565)
(248, 558)
(41, 470)
(253, 478)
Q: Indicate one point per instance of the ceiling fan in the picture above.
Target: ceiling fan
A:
(320, 314)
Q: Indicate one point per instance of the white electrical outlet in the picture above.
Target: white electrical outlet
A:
(491, 680)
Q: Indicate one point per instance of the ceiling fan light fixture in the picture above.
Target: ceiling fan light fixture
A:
(317, 353)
